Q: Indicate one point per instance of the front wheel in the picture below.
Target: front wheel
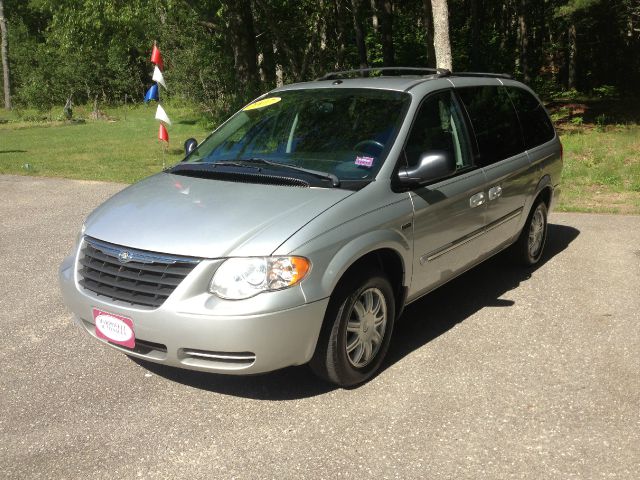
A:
(531, 242)
(357, 330)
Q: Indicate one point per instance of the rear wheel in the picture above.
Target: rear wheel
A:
(530, 244)
(357, 330)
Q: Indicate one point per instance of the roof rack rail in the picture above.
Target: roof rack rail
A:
(440, 72)
(422, 71)
(481, 74)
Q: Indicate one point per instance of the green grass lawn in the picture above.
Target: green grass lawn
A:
(123, 147)
(601, 165)
(602, 170)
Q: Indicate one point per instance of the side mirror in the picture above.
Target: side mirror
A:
(433, 165)
(189, 145)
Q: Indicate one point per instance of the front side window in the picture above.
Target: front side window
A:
(494, 121)
(439, 126)
(343, 132)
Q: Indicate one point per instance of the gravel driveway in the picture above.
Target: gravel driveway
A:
(503, 373)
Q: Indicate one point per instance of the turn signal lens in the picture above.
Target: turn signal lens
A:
(287, 271)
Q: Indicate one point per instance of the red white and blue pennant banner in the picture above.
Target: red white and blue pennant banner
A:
(154, 94)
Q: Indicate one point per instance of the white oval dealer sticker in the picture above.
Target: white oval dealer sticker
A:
(114, 328)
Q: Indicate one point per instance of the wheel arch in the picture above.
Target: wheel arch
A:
(354, 268)
(389, 253)
(544, 190)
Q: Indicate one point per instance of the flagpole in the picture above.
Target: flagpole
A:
(153, 94)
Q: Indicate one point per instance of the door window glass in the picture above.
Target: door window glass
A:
(536, 126)
(494, 121)
(439, 126)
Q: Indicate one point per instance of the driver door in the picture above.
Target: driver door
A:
(449, 215)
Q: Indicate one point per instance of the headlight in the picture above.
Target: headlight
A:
(239, 278)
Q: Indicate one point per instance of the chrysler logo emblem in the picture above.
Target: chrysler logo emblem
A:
(124, 257)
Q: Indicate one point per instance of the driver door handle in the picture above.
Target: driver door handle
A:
(477, 200)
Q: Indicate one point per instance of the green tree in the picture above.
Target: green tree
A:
(221, 53)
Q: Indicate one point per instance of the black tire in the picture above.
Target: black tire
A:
(529, 247)
(331, 360)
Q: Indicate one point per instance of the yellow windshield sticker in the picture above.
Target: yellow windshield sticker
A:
(262, 103)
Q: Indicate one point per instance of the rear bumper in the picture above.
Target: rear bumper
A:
(189, 335)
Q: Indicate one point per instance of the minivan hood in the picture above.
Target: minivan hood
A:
(207, 218)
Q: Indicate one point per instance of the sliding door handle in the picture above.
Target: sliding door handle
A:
(495, 192)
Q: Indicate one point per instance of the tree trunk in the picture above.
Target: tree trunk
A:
(504, 26)
(341, 35)
(523, 40)
(476, 62)
(428, 25)
(243, 41)
(385, 19)
(375, 23)
(322, 31)
(266, 64)
(551, 58)
(573, 52)
(441, 41)
(358, 27)
(4, 52)
(278, 71)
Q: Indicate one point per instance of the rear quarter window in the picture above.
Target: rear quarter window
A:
(536, 125)
(494, 121)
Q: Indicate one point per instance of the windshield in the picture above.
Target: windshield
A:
(345, 133)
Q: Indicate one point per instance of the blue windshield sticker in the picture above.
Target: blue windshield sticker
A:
(364, 161)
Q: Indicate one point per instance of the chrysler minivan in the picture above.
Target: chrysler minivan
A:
(301, 227)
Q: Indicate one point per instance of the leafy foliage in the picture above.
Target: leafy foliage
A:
(92, 49)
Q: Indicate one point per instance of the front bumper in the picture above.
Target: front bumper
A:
(193, 333)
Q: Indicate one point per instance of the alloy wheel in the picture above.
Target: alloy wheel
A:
(366, 327)
(536, 232)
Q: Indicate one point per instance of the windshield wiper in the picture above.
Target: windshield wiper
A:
(335, 181)
(207, 166)
(226, 163)
(247, 163)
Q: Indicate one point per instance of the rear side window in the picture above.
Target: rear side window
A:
(536, 126)
(494, 121)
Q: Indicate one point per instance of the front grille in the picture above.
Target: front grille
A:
(144, 348)
(143, 278)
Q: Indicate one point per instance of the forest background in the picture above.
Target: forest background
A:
(581, 56)
(220, 54)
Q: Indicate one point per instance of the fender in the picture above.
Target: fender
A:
(544, 182)
(349, 253)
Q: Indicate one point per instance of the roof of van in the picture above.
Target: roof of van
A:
(408, 78)
(400, 84)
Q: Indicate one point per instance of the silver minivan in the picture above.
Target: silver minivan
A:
(299, 229)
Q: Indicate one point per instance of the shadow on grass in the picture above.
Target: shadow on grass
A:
(612, 112)
(13, 151)
(599, 112)
(421, 322)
